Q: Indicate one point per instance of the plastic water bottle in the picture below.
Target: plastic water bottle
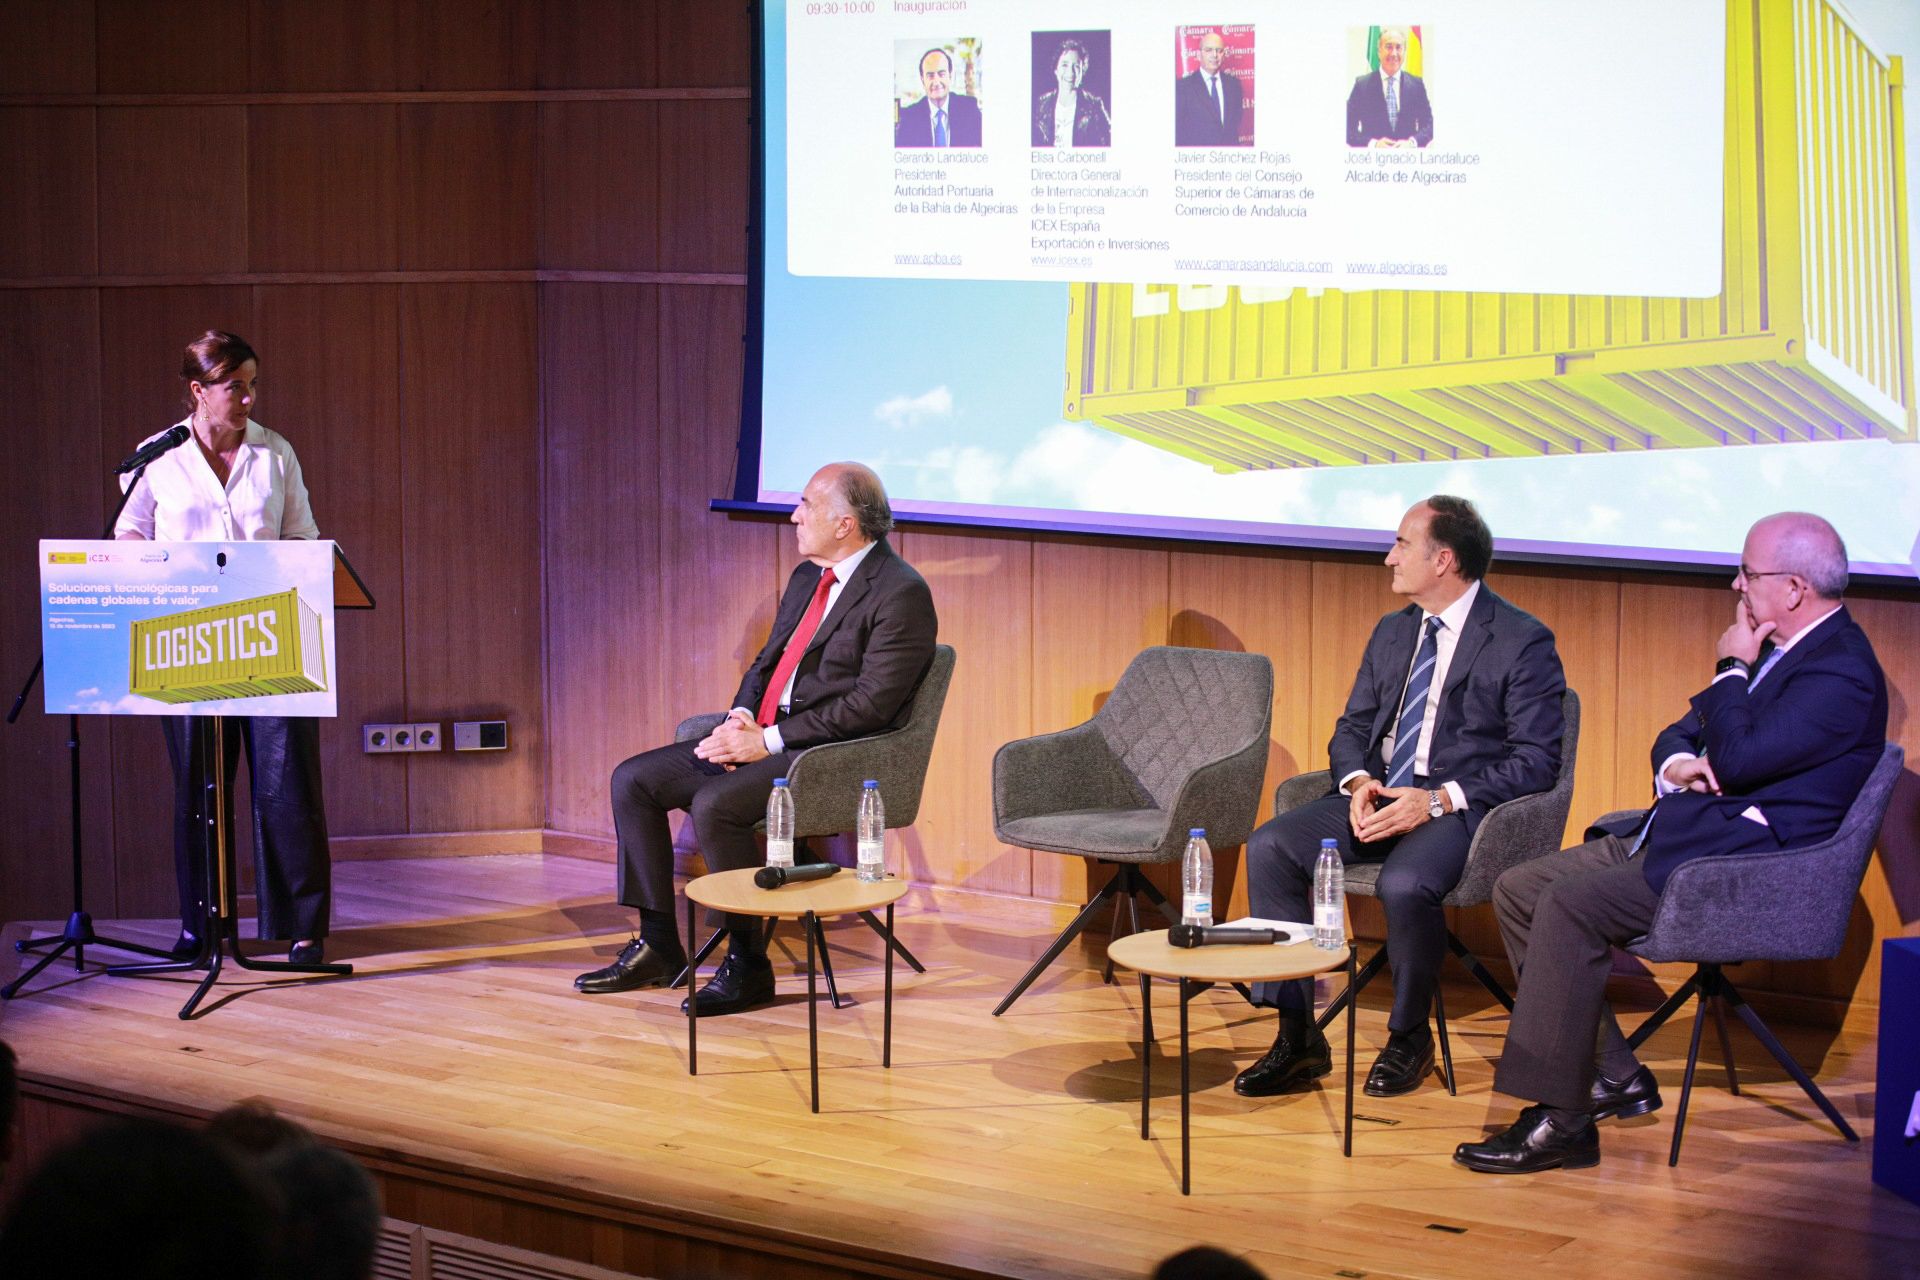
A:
(872, 834)
(1196, 880)
(780, 825)
(1329, 898)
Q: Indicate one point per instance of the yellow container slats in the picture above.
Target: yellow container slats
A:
(252, 648)
(1807, 339)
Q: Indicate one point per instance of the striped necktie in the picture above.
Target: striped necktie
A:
(1393, 102)
(1413, 707)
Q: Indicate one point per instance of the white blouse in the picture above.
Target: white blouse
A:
(179, 499)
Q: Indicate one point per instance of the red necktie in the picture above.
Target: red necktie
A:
(796, 649)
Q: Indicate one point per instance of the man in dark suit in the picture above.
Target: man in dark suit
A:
(1457, 708)
(942, 118)
(1389, 107)
(1770, 756)
(1207, 103)
(853, 635)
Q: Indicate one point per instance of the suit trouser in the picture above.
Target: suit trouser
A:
(293, 873)
(724, 805)
(1561, 916)
(1422, 867)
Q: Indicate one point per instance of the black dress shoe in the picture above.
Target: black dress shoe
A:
(1401, 1066)
(1638, 1094)
(738, 984)
(307, 953)
(1287, 1067)
(638, 965)
(1535, 1141)
(186, 946)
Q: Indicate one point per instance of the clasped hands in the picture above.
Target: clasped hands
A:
(1407, 809)
(735, 741)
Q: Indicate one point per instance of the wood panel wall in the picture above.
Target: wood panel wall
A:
(492, 258)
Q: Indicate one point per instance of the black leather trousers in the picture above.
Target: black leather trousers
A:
(293, 874)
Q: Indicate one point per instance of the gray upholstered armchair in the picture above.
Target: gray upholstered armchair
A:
(1510, 834)
(826, 782)
(1790, 905)
(1180, 743)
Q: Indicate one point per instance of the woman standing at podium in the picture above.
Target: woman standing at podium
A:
(233, 480)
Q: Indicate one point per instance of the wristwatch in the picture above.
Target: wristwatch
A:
(1725, 665)
(1436, 807)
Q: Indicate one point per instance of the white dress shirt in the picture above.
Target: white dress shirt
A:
(1216, 95)
(1452, 619)
(179, 499)
(842, 573)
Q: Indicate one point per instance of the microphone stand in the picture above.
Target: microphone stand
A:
(79, 933)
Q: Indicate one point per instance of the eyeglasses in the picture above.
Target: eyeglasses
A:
(1751, 574)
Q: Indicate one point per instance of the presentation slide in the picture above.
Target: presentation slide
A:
(1309, 183)
(1628, 276)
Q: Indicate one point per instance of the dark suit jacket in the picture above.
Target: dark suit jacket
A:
(1498, 729)
(1194, 121)
(1798, 747)
(1367, 111)
(1092, 127)
(864, 662)
(915, 126)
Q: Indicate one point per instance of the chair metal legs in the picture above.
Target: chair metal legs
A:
(1713, 988)
(1478, 970)
(898, 947)
(1129, 881)
(1367, 973)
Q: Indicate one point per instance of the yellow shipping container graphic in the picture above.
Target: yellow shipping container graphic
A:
(241, 649)
(1808, 339)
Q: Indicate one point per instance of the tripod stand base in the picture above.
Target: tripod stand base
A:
(214, 947)
(76, 937)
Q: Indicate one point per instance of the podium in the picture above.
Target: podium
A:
(211, 631)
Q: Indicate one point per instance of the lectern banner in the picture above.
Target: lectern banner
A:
(188, 628)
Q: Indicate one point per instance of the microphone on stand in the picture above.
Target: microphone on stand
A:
(1215, 935)
(774, 877)
(172, 438)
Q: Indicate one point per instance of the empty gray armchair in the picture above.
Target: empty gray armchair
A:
(1511, 833)
(826, 779)
(1180, 743)
(1793, 904)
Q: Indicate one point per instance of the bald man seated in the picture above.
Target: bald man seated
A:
(1769, 756)
(853, 635)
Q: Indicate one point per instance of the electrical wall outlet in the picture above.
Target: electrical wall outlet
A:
(376, 738)
(426, 737)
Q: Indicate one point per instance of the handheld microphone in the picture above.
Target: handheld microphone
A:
(1214, 935)
(171, 438)
(774, 877)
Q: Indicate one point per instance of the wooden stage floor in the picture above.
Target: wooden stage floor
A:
(494, 1100)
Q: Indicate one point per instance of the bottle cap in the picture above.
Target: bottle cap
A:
(779, 782)
(1329, 843)
(1197, 833)
(871, 782)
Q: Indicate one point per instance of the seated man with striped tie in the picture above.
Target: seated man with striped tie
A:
(1457, 708)
(853, 635)
(1770, 755)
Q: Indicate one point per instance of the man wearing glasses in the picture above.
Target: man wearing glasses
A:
(1769, 756)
